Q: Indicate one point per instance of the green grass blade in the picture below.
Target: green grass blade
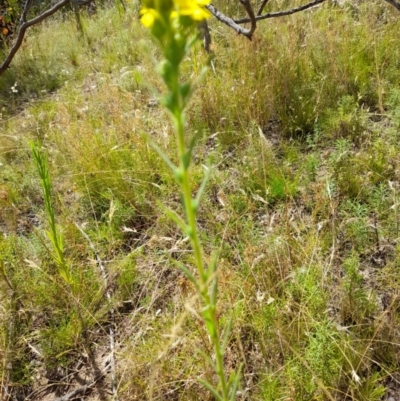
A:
(234, 385)
(187, 156)
(207, 359)
(227, 332)
(214, 277)
(196, 201)
(187, 273)
(210, 388)
(163, 156)
(176, 218)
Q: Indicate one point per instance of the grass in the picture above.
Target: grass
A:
(301, 125)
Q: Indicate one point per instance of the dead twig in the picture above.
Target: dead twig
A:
(261, 9)
(79, 391)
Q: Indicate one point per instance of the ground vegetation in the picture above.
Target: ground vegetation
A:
(300, 128)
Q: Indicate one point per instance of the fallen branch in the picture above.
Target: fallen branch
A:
(24, 26)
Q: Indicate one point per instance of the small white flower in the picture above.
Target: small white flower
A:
(14, 88)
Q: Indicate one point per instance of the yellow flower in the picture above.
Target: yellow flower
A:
(149, 15)
(193, 9)
(188, 8)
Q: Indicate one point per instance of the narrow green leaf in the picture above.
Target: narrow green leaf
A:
(187, 157)
(227, 332)
(163, 156)
(213, 264)
(50, 236)
(208, 312)
(65, 275)
(169, 101)
(196, 201)
(187, 273)
(214, 277)
(176, 218)
(60, 242)
(235, 383)
(185, 90)
(210, 388)
(207, 359)
(182, 201)
(168, 72)
(214, 290)
(190, 42)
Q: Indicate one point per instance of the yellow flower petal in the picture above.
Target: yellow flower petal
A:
(149, 15)
(200, 14)
(193, 8)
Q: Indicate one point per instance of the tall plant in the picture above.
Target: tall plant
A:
(173, 24)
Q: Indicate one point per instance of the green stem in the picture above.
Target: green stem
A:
(198, 253)
(187, 196)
